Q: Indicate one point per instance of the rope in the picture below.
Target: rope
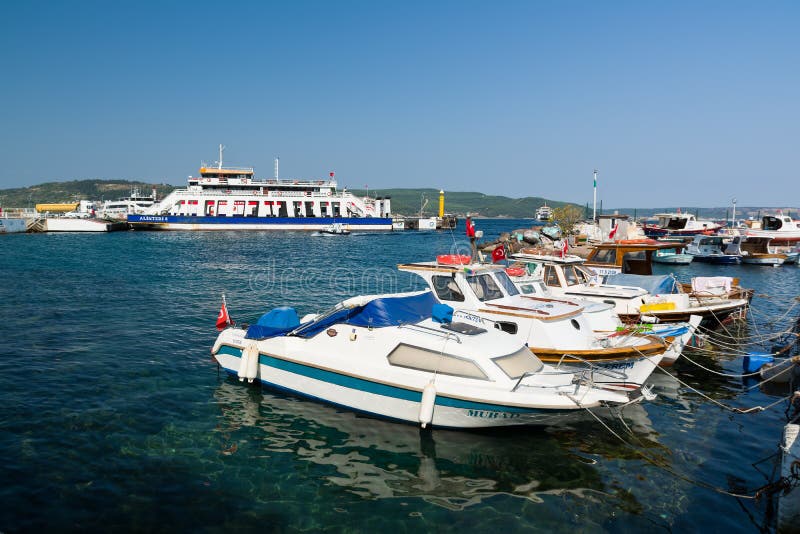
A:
(667, 468)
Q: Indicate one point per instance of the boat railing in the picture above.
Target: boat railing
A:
(432, 331)
(617, 375)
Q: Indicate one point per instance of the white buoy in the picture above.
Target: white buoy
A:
(243, 364)
(427, 403)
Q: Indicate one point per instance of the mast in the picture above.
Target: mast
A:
(594, 203)
(733, 219)
(221, 149)
(277, 161)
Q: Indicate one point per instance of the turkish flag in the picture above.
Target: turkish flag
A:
(223, 319)
(498, 254)
(564, 248)
(613, 232)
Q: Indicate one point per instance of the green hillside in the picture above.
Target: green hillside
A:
(408, 202)
(23, 197)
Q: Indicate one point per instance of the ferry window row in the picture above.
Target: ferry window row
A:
(259, 208)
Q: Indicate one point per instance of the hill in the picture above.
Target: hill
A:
(23, 197)
(409, 201)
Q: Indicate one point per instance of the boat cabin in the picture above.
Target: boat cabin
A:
(777, 223)
(633, 256)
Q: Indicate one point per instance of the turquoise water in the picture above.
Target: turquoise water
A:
(114, 417)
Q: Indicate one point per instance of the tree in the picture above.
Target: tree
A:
(567, 217)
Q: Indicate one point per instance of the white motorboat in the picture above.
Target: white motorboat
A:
(636, 297)
(755, 251)
(781, 228)
(385, 355)
(335, 229)
(713, 249)
(680, 224)
(557, 331)
(673, 256)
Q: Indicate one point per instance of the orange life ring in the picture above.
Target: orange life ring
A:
(453, 259)
(515, 271)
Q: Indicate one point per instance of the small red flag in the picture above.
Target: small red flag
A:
(223, 319)
(332, 174)
(470, 228)
(498, 254)
(613, 231)
(564, 248)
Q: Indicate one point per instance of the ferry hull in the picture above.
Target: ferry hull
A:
(173, 222)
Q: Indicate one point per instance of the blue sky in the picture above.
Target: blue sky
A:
(676, 103)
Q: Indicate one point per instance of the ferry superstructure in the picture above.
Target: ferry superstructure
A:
(231, 198)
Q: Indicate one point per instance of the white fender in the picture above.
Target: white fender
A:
(243, 364)
(251, 371)
(427, 403)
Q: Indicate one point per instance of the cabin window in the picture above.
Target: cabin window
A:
(507, 284)
(551, 276)
(484, 287)
(584, 277)
(570, 277)
(431, 361)
(606, 255)
(517, 364)
(505, 326)
(446, 288)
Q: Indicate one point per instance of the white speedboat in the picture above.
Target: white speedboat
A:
(636, 297)
(713, 249)
(557, 331)
(335, 229)
(385, 355)
(672, 256)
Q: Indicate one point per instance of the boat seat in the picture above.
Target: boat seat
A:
(464, 328)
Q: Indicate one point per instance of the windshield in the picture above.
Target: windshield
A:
(506, 282)
(484, 287)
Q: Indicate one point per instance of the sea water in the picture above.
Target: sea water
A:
(114, 417)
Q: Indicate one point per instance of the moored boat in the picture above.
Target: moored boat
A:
(394, 356)
(755, 251)
(557, 331)
(781, 228)
(680, 224)
(712, 249)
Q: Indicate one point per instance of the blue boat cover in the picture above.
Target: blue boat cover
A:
(377, 313)
(274, 323)
(653, 284)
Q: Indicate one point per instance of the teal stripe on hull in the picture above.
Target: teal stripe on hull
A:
(368, 386)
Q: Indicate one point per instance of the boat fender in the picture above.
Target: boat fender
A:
(648, 319)
(248, 368)
(753, 361)
(353, 335)
(426, 404)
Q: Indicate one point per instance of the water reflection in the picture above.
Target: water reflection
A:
(374, 459)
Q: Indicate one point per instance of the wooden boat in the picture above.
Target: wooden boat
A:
(755, 251)
(633, 256)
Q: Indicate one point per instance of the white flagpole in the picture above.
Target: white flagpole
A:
(594, 203)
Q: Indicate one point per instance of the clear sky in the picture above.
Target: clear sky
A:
(675, 103)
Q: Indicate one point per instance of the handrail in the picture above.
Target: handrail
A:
(432, 331)
(599, 370)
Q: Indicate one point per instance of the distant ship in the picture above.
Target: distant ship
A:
(136, 203)
(544, 213)
(231, 198)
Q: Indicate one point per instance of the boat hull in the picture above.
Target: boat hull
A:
(765, 259)
(174, 222)
(384, 400)
(674, 259)
(722, 259)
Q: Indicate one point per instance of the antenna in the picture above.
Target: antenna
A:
(221, 149)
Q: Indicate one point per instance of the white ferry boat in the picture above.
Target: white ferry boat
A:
(136, 203)
(544, 213)
(231, 198)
